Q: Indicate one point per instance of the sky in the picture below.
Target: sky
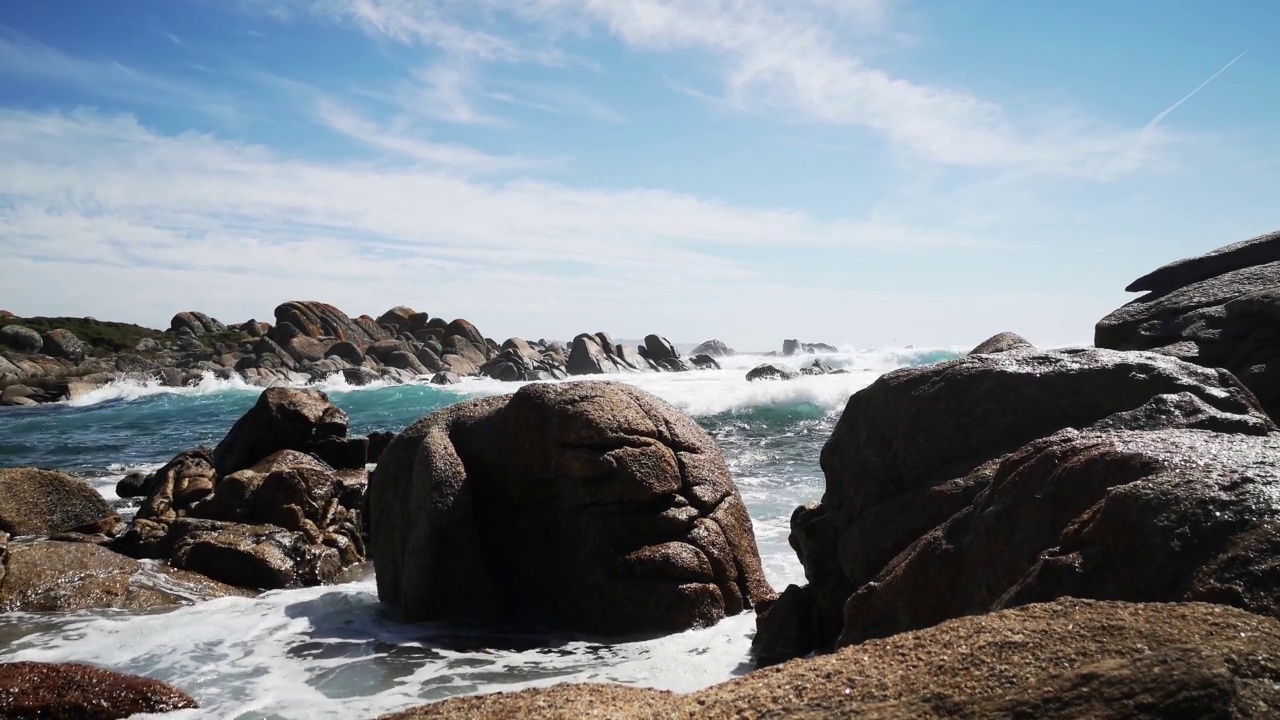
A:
(864, 172)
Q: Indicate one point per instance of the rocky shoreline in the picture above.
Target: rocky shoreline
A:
(1016, 533)
(51, 359)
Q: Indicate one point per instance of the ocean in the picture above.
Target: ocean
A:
(330, 652)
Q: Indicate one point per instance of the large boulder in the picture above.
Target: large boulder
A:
(318, 320)
(44, 502)
(68, 576)
(772, 371)
(921, 445)
(1216, 310)
(590, 507)
(592, 355)
(466, 331)
(63, 344)
(282, 419)
(68, 691)
(197, 323)
(1002, 342)
(22, 339)
(399, 318)
(714, 348)
(1069, 659)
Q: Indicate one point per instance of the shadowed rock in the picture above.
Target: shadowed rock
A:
(1068, 659)
(922, 444)
(43, 502)
(714, 348)
(589, 507)
(772, 371)
(282, 419)
(1003, 342)
(68, 691)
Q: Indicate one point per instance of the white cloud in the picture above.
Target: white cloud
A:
(97, 201)
(798, 60)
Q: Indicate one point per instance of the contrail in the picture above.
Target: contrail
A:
(1160, 118)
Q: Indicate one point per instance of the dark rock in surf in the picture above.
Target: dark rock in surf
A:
(44, 502)
(923, 446)
(82, 692)
(282, 419)
(772, 371)
(589, 507)
(1003, 342)
(704, 362)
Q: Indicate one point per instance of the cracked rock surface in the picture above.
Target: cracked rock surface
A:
(588, 507)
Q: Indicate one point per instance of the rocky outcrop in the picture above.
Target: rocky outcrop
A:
(82, 692)
(1002, 342)
(661, 352)
(926, 467)
(589, 507)
(714, 348)
(795, 347)
(266, 509)
(195, 323)
(772, 371)
(282, 419)
(318, 320)
(21, 339)
(518, 360)
(1216, 310)
(398, 321)
(1058, 661)
(52, 576)
(598, 355)
(63, 344)
(44, 502)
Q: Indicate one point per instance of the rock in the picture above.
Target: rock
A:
(589, 355)
(305, 349)
(921, 445)
(378, 442)
(183, 481)
(318, 320)
(67, 576)
(13, 394)
(772, 371)
(1218, 310)
(817, 367)
(714, 348)
(462, 347)
(147, 345)
(660, 349)
(406, 361)
(267, 557)
(132, 485)
(1068, 659)
(1003, 342)
(359, 377)
(82, 692)
(348, 352)
(445, 378)
(705, 362)
(43, 502)
(626, 518)
(462, 329)
(196, 323)
(398, 318)
(282, 419)
(63, 344)
(21, 339)
(790, 347)
(254, 329)
(6, 314)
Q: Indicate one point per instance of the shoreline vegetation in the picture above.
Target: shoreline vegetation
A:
(1015, 533)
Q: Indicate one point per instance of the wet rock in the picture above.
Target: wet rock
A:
(817, 367)
(267, 557)
(1060, 661)
(627, 519)
(921, 445)
(1002, 342)
(132, 485)
(52, 576)
(21, 339)
(82, 692)
(714, 348)
(282, 419)
(63, 344)
(705, 362)
(445, 378)
(772, 371)
(19, 395)
(43, 502)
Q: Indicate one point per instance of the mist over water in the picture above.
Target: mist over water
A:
(330, 652)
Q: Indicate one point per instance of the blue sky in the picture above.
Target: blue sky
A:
(873, 172)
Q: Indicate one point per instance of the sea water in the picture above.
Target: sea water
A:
(331, 652)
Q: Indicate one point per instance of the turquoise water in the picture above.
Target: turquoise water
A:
(330, 652)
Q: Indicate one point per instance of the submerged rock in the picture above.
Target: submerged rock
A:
(1058, 661)
(923, 448)
(589, 507)
(44, 502)
(67, 691)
